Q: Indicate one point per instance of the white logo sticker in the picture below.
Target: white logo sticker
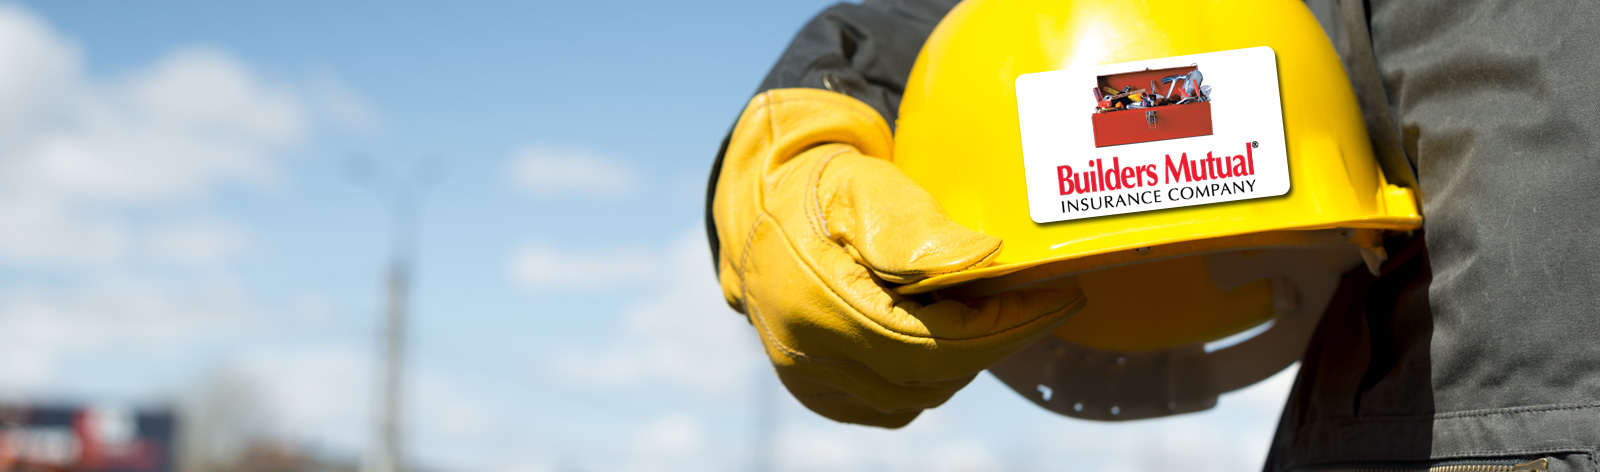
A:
(1153, 134)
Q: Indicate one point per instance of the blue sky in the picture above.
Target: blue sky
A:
(174, 221)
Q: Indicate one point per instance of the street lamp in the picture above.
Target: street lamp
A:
(402, 194)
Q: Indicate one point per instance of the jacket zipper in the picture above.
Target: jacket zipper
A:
(1536, 465)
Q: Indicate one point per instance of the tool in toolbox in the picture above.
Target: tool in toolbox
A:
(1191, 91)
(1109, 99)
(1183, 111)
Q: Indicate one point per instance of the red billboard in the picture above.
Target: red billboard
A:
(85, 439)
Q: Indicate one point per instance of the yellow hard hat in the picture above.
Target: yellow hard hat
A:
(1163, 282)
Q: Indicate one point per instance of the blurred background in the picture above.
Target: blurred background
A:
(202, 205)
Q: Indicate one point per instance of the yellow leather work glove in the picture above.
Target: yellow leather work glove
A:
(816, 224)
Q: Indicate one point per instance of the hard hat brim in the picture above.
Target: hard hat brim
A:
(1009, 276)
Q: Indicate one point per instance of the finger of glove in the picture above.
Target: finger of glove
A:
(958, 339)
(810, 332)
(909, 343)
(798, 287)
(891, 225)
(851, 315)
(777, 128)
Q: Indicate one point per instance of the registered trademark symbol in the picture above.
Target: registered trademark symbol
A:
(1254, 144)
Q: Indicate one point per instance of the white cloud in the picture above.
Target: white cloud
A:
(98, 180)
(542, 266)
(324, 395)
(118, 259)
(682, 334)
(195, 119)
(106, 219)
(195, 243)
(78, 152)
(40, 326)
(42, 230)
(320, 394)
(550, 171)
(675, 435)
(41, 70)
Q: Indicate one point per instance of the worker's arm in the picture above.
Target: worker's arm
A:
(813, 224)
(864, 51)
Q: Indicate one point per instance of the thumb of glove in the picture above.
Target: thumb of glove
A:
(892, 226)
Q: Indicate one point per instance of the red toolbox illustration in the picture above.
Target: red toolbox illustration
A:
(1151, 105)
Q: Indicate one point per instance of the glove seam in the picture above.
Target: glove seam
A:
(853, 105)
(857, 311)
(750, 237)
(769, 101)
(816, 198)
(819, 216)
(744, 259)
(768, 104)
(1018, 326)
(761, 320)
(930, 273)
(795, 354)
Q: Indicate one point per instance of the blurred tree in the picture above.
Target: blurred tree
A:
(220, 422)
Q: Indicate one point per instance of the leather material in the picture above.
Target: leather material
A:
(863, 50)
(816, 226)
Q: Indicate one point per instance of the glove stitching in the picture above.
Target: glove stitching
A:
(817, 178)
(750, 235)
(818, 216)
(761, 321)
(744, 261)
(749, 240)
(859, 313)
(852, 105)
(813, 221)
(1016, 327)
(930, 273)
(816, 199)
(797, 355)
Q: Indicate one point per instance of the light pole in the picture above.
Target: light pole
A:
(402, 194)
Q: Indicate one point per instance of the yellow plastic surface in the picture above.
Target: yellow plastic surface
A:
(1200, 312)
(958, 133)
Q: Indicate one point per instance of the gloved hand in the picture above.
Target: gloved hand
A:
(815, 224)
